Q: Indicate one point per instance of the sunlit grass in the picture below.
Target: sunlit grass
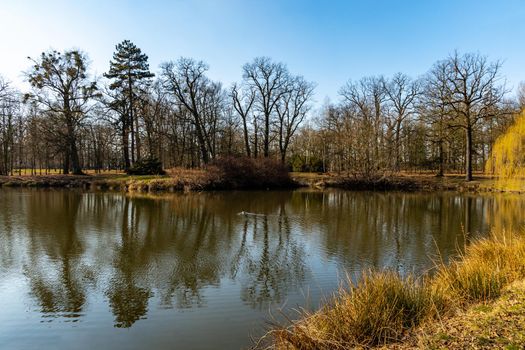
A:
(44, 172)
(484, 269)
(383, 307)
(376, 310)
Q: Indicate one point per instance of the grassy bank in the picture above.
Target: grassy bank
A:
(395, 182)
(408, 182)
(241, 175)
(499, 324)
(231, 174)
(386, 310)
(52, 180)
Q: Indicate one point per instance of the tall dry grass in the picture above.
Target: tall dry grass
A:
(383, 307)
(486, 266)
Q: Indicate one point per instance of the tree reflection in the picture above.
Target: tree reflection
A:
(147, 252)
(128, 301)
(56, 281)
(274, 262)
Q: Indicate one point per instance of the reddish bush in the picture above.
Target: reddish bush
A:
(243, 172)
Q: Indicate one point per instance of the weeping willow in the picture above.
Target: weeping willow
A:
(507, 160)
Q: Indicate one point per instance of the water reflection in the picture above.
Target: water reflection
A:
(133, 256)
(56, 277)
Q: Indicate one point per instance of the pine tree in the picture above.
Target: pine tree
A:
(129, 71)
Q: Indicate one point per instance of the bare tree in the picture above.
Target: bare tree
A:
(292, 110)
(434, 110)
(202, 98)
(271, 82)
(9, 128)
(242, 101)
(402, 93)
(365, 102)
(521, 95)
(61, 86)
(187, 81)
(473, 93)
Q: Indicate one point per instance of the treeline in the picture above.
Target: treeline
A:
(446, 120)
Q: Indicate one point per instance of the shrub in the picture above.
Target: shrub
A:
(243, 172)
(298, 163)
(146, 166)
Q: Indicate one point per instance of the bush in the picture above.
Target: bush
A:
(146, 166)
(243, 172)
(300, 164)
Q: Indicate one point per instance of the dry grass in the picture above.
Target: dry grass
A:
(228, 174)
(395, 182)
(377, 310)
(484, 269)
(240, 173)
(496, 325)
(383, 308)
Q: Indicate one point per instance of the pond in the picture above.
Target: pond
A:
(84, 270)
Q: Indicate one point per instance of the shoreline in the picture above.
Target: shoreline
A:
(451, 321)
(200, 180)
(476, 301)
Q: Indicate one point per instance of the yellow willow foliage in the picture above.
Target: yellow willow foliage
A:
(505, 213)
(507, 160)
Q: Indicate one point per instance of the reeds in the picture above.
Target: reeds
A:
(382, 307)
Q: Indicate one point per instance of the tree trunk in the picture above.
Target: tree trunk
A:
(125, 144)
(131, 117)
(137, 139)
(398, 146)
(132, 132)
(75, 162)
(246, 138)
(202, 141)
(266, 136)
(255, 138)
(468, 155)
(441, 171)
(65, 167)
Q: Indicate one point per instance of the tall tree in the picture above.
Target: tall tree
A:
(129, 72)
(186, 81)
(9, 110)
(291, 112)
(473, 93)
(521, 95)
(270, 81)
(402, 93)
(242, 103)
(364, 102)
(434, 110)
(62, 88)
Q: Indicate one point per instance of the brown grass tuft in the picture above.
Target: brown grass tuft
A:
(383, 308)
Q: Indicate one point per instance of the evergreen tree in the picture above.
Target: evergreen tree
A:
(129, 71)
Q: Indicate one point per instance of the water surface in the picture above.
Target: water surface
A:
(186, 271)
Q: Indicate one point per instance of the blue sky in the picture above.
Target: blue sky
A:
(328, 42)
